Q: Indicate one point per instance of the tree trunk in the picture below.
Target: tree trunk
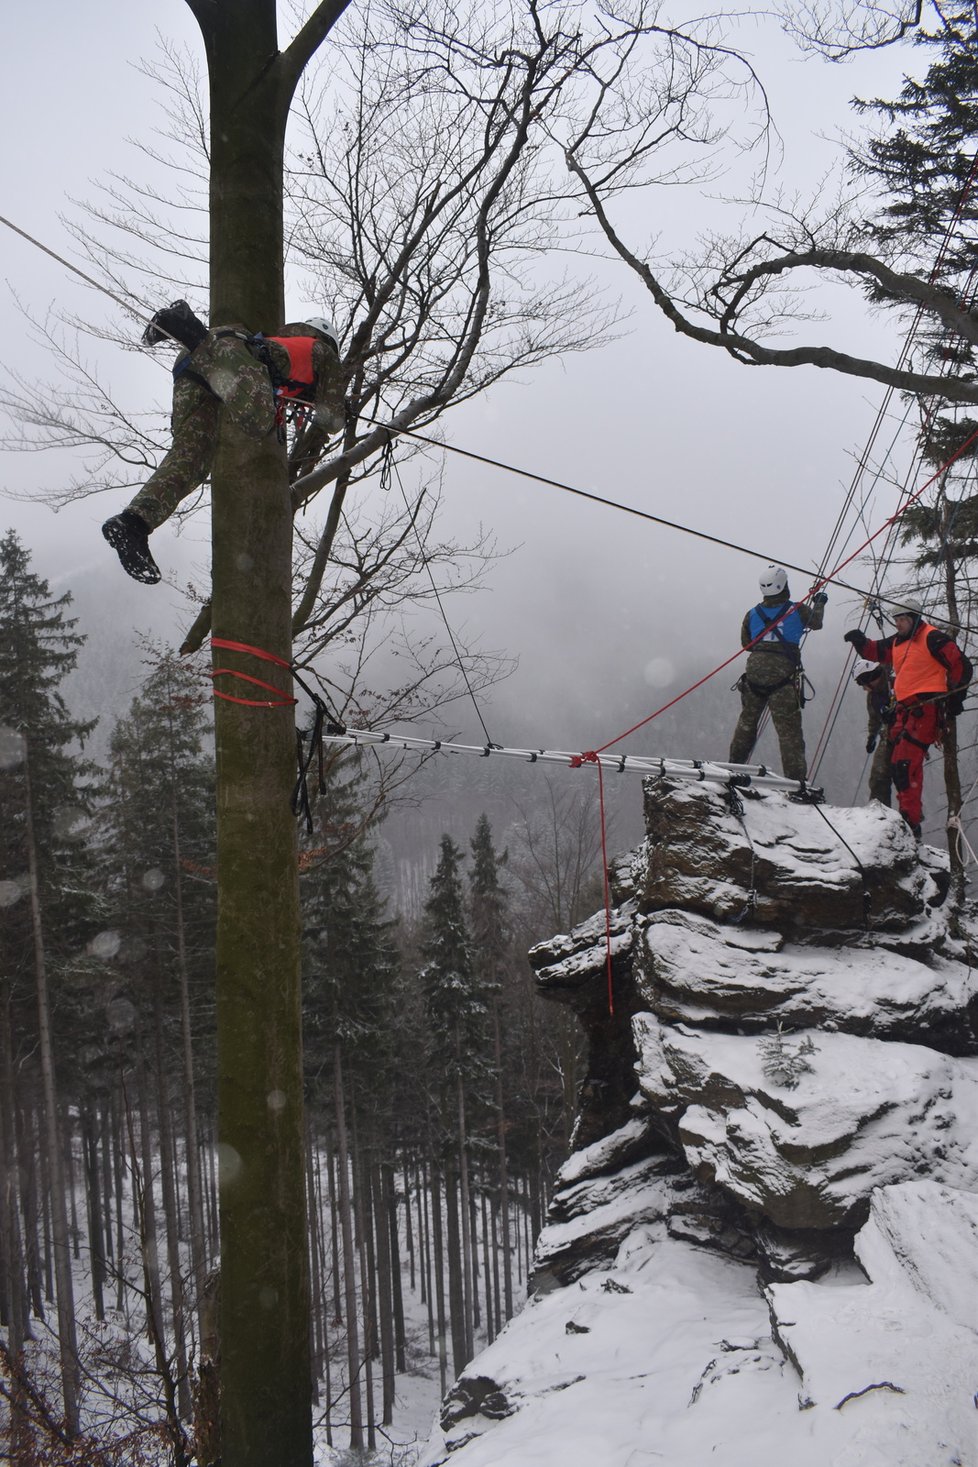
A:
(390, 1195)
(96, 1256)
(67, 1342)
(469, 1264)
(385, 1292)
(27, 1173)
(198, 1240)
(439, 1256)
(456, 1274)
(349, 1261)
(265, 1371)
(503, 1173)
(170, 1209)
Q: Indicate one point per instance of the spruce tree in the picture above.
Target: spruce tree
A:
(924, 164)
(47, 906)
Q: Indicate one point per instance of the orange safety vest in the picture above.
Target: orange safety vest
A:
(917, 669)
(302, 376)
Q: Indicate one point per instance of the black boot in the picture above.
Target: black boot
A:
(129, 537)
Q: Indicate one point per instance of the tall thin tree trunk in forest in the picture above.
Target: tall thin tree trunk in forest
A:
(266, 1405)
(408, 1225)
(144, 1200)
(47, 1252)
(952, 772)
(198, 1239)
(69, 1175)
(11, 1170)
(67, 1342)
(385, 1292)
(456, 1274)
(390, 1198)
(106, 1135)
(336, 1313)
(439, 1256)
(168, 1190)
(497, 1317)
(93, 1200)
(349, 1259)
(497, 1043)
(362, 1210)
(424, 1233)
(487, 1271)
(119, 1162)
(468, 1251)
(316, 1341)
(23, 1124)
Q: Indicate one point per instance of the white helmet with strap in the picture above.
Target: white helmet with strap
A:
(905, 608)
(863, 667)
(773, 581)
(324, 327)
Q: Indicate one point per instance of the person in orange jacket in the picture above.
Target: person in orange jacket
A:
(930, 677)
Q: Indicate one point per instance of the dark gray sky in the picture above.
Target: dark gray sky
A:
(603, 611)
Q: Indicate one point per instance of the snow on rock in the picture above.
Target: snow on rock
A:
(694, 970)
(861, 1113)
(794, 867)
(762, 1249)
(674, 1357)
(901, 1355)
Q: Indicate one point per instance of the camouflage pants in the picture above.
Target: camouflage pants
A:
(880, 772)
(760, 692)
(239, 384)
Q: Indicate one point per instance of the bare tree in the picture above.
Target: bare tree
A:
(742, 293)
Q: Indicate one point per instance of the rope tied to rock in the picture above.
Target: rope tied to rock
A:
(591, 757)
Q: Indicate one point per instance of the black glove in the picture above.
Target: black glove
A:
(857, 639)
(870, 743)
(955, 704)
(819, 599)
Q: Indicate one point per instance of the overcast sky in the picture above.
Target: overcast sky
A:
(598, 607)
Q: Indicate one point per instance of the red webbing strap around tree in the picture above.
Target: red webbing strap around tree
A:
(282, 700)
(591, 758)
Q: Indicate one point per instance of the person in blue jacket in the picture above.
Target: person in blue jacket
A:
(773, 631)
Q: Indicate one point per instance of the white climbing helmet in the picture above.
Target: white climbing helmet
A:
(905, 608)
(773, 581)
(325, 328)
(862, 667)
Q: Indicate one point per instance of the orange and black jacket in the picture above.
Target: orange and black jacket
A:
(926, 664)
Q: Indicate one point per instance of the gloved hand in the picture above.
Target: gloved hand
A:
(870, 743)
(954, 707)
(857, 639)
(819, 599)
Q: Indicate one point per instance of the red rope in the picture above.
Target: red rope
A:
(592, 758)
(283, 700)
(817, 586)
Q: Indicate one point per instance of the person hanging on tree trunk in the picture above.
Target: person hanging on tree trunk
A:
(876, 682)
(931, 676)
(772, 678)
(251, 378)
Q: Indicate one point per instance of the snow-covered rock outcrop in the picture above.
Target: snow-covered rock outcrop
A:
(763, 1248)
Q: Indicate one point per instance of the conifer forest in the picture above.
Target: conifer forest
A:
(439, 1089)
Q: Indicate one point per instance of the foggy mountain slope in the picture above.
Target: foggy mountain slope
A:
(763, 1247)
